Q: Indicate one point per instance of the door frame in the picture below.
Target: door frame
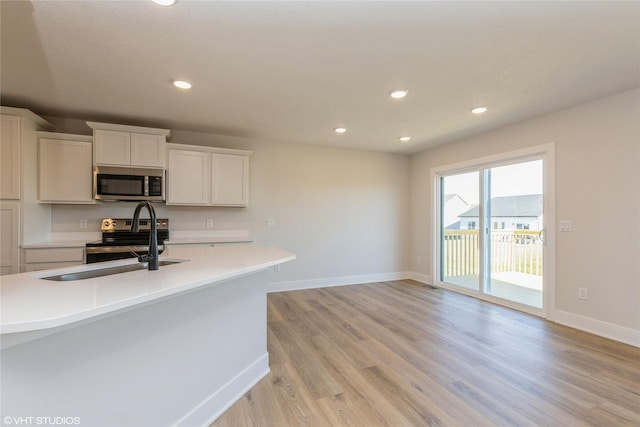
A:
(545, 152)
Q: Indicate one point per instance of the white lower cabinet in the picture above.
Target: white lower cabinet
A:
(204, 176)
(65, 172)
(10, 232)
(44, 259)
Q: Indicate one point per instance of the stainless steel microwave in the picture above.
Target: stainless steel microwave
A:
(123, 183)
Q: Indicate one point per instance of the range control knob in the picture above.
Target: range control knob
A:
(106, 223)
(113, 223)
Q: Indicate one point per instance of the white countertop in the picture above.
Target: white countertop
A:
(79, 240)
(199, 237)
(56, 244)
(64, 240)
(207, 240)
(29, 303)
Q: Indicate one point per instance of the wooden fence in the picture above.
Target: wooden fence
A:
(511, 250)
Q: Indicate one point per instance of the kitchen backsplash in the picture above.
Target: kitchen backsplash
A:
(71, 218)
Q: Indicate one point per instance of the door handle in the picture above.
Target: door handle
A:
(542, 235)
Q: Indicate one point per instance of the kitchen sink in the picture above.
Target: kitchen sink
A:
(108, 271)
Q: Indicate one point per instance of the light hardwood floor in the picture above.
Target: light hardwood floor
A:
(397, 354)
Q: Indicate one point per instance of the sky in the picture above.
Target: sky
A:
(510, 180)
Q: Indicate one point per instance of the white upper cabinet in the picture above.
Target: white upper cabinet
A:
(188, 178)
(10, 157)
(205, 176)
(148, 150)
(112, 147)
(229, 179)
(121, 145)
(65, 173)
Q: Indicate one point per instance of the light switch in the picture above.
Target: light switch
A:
(271, 222)
(565, 225)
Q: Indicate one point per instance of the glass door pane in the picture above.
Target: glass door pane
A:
(514, 222)
(460, 230)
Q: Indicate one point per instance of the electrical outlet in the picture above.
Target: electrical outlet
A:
(583, 294)
(83, 223)
(210, 223)
(276, 268)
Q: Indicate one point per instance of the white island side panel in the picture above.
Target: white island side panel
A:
(181, 361)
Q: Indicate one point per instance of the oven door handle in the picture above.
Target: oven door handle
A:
(116, 249)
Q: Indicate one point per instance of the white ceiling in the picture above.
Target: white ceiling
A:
(292, 71)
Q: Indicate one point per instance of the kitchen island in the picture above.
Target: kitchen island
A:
(176, 346)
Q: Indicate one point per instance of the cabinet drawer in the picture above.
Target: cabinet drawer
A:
(55, 255)
(49, 265)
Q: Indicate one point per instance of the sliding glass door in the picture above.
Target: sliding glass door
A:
(514, 218)
(491, 229)
(460, 236)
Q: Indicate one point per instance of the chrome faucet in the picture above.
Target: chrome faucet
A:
(152, 255)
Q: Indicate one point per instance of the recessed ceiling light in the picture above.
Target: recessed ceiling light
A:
(165, 2)
(340, 130)
(397, 94)
(404, 138)
(182, 84)
(479, 110)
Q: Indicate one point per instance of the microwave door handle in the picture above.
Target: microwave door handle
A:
(146, 185)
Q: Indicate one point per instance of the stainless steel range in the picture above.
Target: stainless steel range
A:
(119, 242)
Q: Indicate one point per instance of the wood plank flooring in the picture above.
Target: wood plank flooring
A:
(397, 354)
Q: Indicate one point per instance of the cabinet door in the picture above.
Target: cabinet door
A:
(188, 178)
(112, 147)
(65, 171)
(148, 150)
(230, 180)
(10, 158)
(9, 244)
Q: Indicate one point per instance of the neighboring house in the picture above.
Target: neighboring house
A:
(508, 213)
(454, 205)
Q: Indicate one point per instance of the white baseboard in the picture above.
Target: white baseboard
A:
(326, 282)
(586, 324)
(598, 327)
(419, 277)
(213, 406)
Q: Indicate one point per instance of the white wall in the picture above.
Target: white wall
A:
(597, 187)
(344, 213)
